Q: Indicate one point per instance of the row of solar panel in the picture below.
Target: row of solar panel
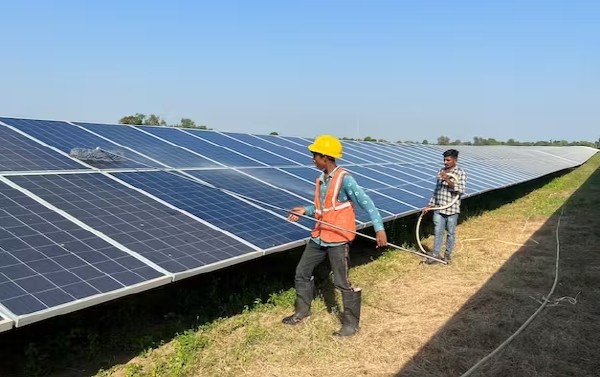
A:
(53, 257)
(163, 147)
(72, 240)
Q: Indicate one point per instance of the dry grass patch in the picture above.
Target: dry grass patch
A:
(420, 320)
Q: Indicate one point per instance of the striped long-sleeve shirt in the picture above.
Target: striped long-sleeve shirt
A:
(443, 194)
(350, 191)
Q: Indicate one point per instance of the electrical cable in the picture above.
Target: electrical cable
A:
(546, 301)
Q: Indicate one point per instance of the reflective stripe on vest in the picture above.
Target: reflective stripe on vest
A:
(334, 212)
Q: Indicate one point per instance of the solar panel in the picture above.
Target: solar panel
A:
(265, 156)
(228, 157)
(150, 146)
(164, 235)
(287, 153)
(249, 186)
(255, 225)
(48, 261)
(19, 153)
(284, 180)
(74, 235)
(65, 137)
(347, 158)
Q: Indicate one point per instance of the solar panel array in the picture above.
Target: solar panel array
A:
(184, 202)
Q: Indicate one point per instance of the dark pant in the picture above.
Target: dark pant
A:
(338, 259)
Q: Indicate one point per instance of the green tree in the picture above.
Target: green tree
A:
(137, 119)
(443, 140)
(154, 120)
(187, 123)
(274, 133)
(425, 142)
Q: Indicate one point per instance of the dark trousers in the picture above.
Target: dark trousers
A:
(339, 259)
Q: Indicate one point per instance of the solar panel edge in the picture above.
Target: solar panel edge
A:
(90, 301)
(219, 265)
(287, 246)
(6, 325)
(7, 319)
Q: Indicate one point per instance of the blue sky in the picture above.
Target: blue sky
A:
(405, 70)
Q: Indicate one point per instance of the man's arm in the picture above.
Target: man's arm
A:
(309, 210)
(360, 197)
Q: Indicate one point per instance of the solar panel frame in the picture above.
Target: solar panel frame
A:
(6, 323)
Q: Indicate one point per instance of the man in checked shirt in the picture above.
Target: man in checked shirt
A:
(445, 191)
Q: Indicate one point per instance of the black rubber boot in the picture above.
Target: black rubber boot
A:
(304, 296)
(351, 315)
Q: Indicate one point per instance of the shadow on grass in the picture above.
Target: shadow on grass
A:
(79, 344)
(562, 340)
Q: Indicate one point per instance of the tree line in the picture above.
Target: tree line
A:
(154, 120)
(477, 140)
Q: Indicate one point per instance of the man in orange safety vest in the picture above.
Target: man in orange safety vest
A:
(336, 194)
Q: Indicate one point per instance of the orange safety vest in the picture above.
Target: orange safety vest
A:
(334, 212)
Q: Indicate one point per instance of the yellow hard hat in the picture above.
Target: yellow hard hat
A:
(327, 145)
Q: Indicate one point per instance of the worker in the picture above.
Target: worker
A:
(445, 191)
(336, 194)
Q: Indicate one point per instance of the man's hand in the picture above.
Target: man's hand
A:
(427, 209)
(444, 176)
(381, 238)
(294, 212)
